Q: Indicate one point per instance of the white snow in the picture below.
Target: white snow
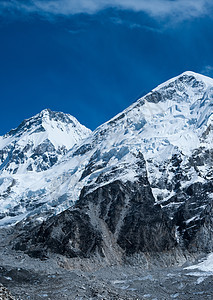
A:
(157, 131)
(207, 80)
(205, 266)
(58, 132)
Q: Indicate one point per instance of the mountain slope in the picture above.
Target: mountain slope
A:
(143, 180)
(39, 142)
(33, 147)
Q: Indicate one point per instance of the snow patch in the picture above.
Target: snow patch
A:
(205, 266)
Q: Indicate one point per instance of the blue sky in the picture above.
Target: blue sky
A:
(93, 58)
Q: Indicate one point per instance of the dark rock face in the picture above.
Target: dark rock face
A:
(194, 218)
(130, 213)
(69, 233)
(146, 188)
(133, 219)
(127, 211)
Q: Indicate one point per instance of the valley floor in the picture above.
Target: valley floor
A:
(55, 278)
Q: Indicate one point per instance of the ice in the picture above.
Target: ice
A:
(200, 280)
(8, 278)
(43, 128)
(194, 218)
(173, 119)
(205, 266)
(175, 295)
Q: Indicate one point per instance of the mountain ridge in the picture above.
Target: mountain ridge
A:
(147, 172)
(124, 211)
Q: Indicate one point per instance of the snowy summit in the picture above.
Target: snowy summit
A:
(167, 134)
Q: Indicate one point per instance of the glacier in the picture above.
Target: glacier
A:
(170, 128)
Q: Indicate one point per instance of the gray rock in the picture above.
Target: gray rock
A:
(5, 294)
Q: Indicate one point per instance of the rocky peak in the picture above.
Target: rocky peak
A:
(48, 114)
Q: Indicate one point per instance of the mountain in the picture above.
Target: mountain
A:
(33, 147)
(141, 182)
(39, 142)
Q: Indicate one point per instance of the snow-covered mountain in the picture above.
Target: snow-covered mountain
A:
(142, 179)
(172, 121)
(39, 142)
(33, 147)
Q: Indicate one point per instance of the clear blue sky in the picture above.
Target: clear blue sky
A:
(94, 58)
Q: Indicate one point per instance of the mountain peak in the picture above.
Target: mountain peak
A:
(38, 142)
(197, 75)
(148, 168)
(154, 135)
(45, 111)
(47, 115)
(189, 78)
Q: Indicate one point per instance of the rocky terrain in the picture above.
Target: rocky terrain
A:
(162, 276)
(122, 211)
(5, 294)
(135, 195)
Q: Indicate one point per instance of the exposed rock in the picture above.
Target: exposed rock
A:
(5, 294)
(69, 233)
(141, 182)
(123, 219)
